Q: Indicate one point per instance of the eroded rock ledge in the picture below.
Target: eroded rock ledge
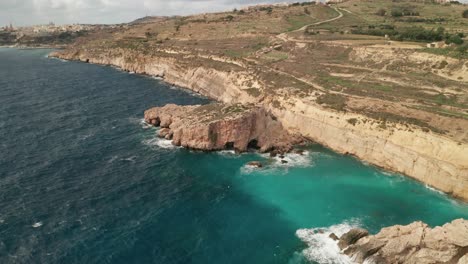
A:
(414, 243)
(218, 126)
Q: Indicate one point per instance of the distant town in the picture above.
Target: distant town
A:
(46, 35)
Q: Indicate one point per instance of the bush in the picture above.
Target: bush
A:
(455, 39)
(381, 12)
(408, 33)
(465, 14)
(396, 13)
(463, 49)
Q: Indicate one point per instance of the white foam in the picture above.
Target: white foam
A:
(323, 249)
(112, 159)
(160, 142)
(130, 159)
(292, 160)
(145, 125)
(247, 169)
(228, 153)
(434, 190)
(86, 136)
(36, 225)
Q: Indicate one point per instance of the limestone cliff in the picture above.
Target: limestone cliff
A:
(414, 243)
(218, 126)
(432, 158)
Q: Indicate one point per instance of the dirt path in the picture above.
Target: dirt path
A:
(284, 36)
(340, 15)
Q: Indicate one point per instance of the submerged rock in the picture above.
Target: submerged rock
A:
(299, 151)
(257, 164)
(218, 126)
(334, 237)
(413, 243)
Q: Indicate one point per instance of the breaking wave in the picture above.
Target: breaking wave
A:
(290, 160)
(434, 190)
(160, 142)
(145, 125)
(323, 249)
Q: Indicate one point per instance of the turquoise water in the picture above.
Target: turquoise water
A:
(83, 180)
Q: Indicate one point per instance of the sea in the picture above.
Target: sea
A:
(84, 180)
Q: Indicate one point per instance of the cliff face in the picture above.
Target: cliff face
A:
(227, 85)
(425, 156)
(217, 126)
(413, 243)
(428, 157)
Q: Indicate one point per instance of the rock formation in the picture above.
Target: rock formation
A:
(218, 126)
(414, 243)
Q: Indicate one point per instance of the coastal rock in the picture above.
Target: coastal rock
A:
(351, 237)
(218, 126)
(463, 260)
(334, 237)
(257, 164)
(414, 243)
(163, 132)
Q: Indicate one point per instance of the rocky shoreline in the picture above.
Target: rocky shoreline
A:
(433, 159)
(414, 243)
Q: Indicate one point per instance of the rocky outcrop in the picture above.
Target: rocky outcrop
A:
(414, 243)
(218, 126)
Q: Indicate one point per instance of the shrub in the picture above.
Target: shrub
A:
(465, 14)
(463, 49)
(381, 12)
(396, 13)
(455, 39)
(334, 101)
(352, 121)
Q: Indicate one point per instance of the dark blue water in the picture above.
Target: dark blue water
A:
(82, 180)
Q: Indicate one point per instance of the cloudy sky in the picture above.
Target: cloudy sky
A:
(28, 12)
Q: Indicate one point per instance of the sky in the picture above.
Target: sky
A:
(31, 12)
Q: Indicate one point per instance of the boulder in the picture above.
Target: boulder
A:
(351, 237)
(163, 132)
(463, 260)
(299, 151)
(256, 164)
(334, 237)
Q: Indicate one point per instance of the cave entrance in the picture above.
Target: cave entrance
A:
(253, 144)
(229, 145)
